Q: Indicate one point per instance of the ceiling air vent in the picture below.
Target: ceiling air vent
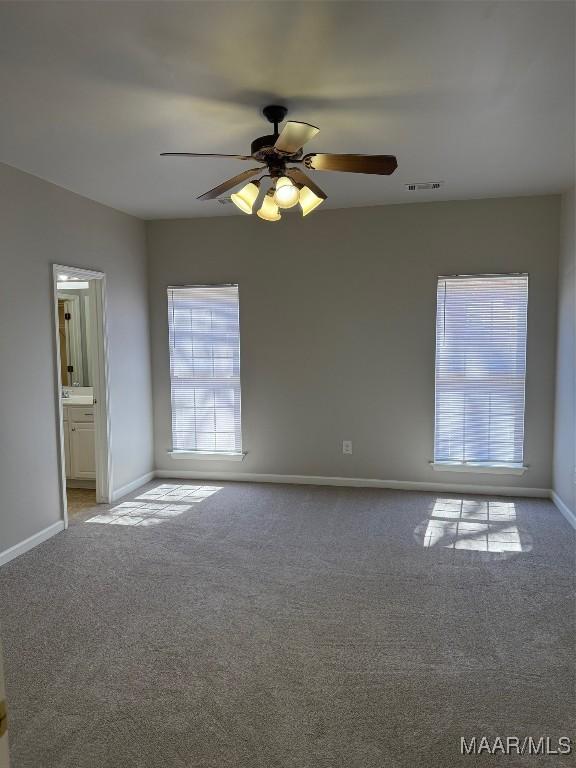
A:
(422, 185)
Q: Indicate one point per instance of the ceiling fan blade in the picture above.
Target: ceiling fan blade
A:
(381, 164)
(202, 154)
(300, 178)
(226, 185)
(294, 136)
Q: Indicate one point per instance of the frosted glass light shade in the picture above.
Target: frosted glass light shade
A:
(308, 200)
(269, 210)
(286, 194)
(246, 197)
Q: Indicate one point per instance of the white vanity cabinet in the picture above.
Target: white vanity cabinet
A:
(79, 449)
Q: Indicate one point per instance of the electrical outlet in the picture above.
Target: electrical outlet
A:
(346, 446)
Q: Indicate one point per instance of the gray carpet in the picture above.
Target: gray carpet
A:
(271, 626)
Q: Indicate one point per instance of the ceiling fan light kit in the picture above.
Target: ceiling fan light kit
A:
(289, 185)
(269, 210)
(308, 200)
(287, 193)
(247, 196)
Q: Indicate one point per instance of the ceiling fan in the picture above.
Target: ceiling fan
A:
(290, 185)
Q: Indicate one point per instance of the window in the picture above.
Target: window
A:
(204, 334)
(480, 369)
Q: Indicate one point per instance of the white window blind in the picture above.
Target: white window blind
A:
(480, 369)
(204, 331)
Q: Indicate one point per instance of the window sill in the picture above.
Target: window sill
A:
(206, 455)
(489, 469)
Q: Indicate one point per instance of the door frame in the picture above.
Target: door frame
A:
(101, 384)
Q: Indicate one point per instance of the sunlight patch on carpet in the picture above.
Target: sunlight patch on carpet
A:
(472, 524)
(156, 506)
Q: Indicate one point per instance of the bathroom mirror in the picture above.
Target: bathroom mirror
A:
(74, 332)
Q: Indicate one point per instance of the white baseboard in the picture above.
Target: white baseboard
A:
(564, 508)
(31, 542)
(117, 493)
(355, 482)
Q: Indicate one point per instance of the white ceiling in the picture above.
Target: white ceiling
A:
(479, 95)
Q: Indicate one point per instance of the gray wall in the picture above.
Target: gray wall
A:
(337, 329)
(565, 437)
(44, 224)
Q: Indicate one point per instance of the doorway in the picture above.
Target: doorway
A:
(81, 370)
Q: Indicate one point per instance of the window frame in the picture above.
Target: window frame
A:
(496, 468)
(188, 453)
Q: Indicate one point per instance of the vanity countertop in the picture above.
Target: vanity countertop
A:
(77, 396)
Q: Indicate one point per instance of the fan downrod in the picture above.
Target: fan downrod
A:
(275, 113)
(262, 148)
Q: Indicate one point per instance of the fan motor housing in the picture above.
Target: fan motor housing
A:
(262, 149)
(263, 143)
